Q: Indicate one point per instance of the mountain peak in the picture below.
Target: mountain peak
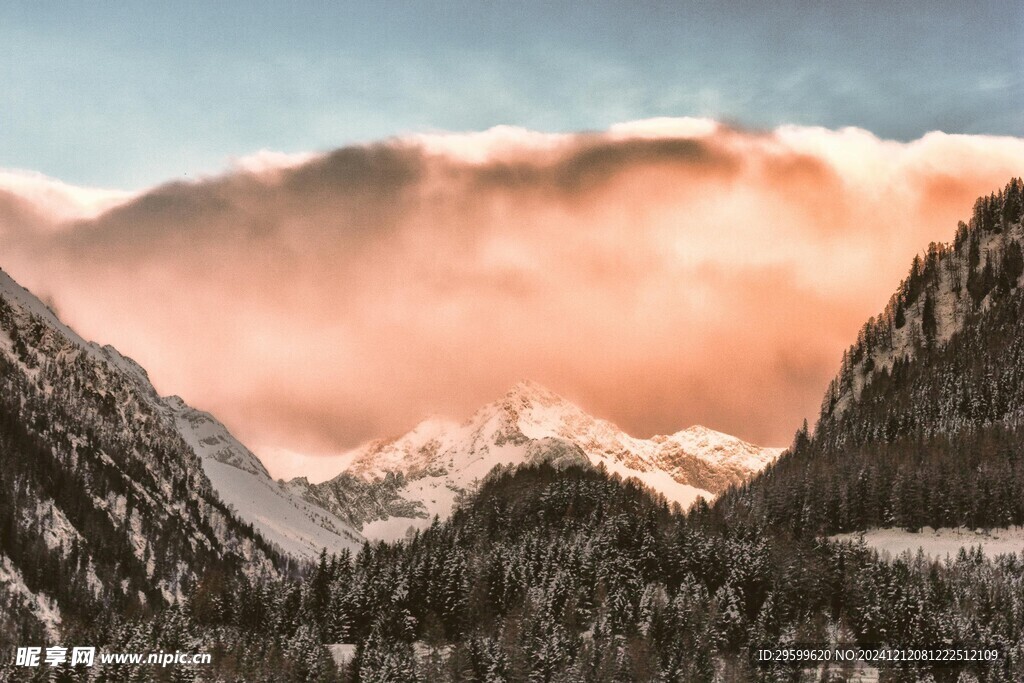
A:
(699, 429)
(705, 433)
(532, 391)
(531, 398)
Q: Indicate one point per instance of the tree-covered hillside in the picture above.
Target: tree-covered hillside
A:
(104, 509)
(923, 425)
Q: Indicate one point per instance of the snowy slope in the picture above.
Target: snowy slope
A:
(395, 484)
(294, 524)
(210, 439)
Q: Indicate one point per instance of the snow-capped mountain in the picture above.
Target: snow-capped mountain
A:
(105, 487)
(391, 485)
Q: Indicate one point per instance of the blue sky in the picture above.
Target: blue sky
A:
(127, 94)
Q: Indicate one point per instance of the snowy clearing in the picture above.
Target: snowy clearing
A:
(939, 543)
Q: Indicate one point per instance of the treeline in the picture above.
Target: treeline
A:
(973, 479)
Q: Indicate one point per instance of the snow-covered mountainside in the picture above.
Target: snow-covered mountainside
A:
(105, 488)
(102, 503)
(211, 440)
(289, 521)
(395, 484)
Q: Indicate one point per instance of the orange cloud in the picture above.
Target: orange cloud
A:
(663, 273)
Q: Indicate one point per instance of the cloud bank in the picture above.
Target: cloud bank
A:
(661, 273)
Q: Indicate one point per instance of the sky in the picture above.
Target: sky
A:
(129, 94)
(325, 224)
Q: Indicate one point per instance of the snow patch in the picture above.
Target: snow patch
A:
(43, 606)
(342, 653)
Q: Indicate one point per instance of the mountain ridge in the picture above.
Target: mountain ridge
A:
(113, 495)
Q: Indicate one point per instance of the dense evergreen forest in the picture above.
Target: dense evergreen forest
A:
(574, 575)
